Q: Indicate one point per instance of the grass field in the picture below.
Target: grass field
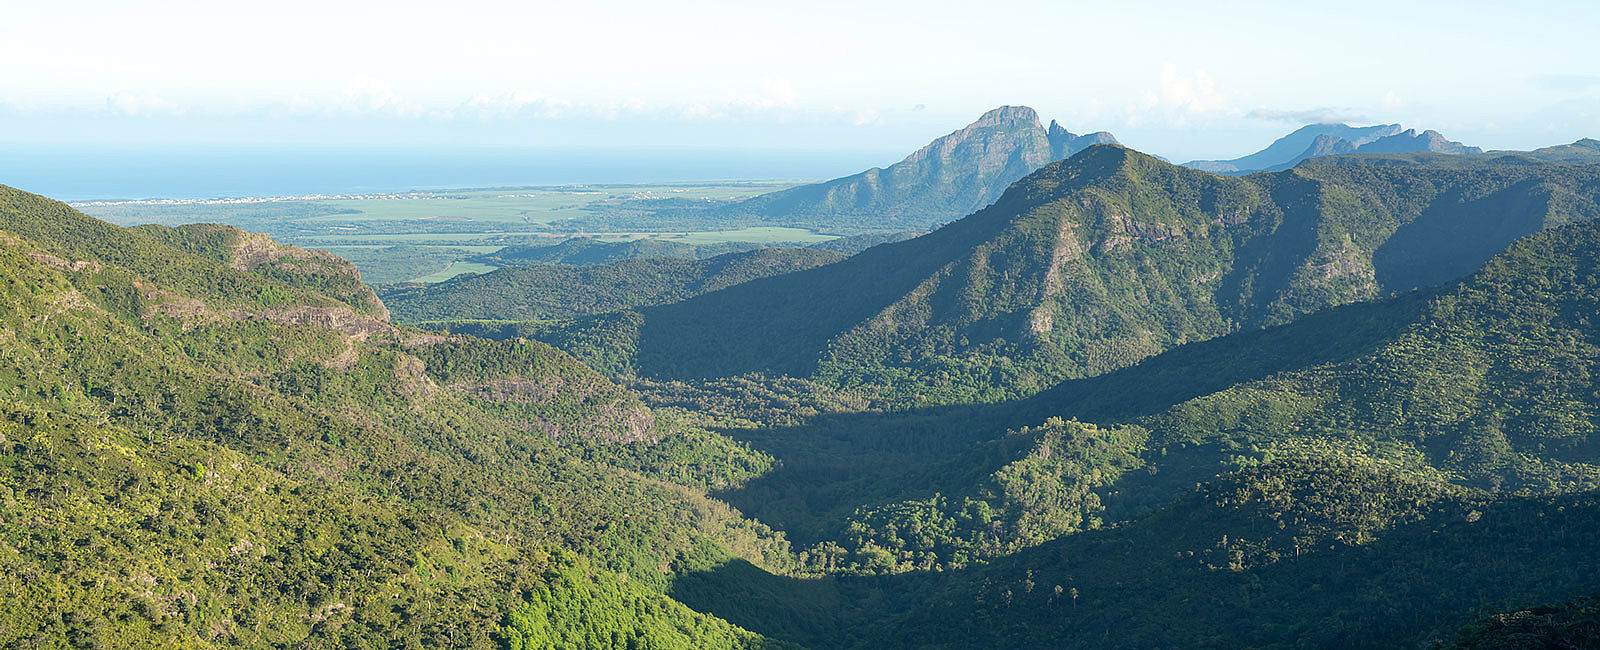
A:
(454, 269)
(425, 236)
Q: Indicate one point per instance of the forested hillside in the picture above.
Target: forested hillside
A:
(1434, 456)
(211, 439)
(549, 292)
(1352, 404)
(1090, 265)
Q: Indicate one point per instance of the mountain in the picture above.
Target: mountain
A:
(1445, 444)
(1089, 265)
(549, 292)
(1409, 141)
(1349, 404)
(1582, 152)
(945, 180)
(1317, 140)
(1285, 150)
(208, 438)
(1365, 477)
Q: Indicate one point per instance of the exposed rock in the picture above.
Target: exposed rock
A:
(59, 264)
(252, 250)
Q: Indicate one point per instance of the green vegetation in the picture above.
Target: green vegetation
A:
(386, 265)
(199, 446)
(1090, 265)
(429, 236)
(550, 292)
(585, 251)
(578, 607)
(1372, 493)
(1574, 624)
(1129, 405)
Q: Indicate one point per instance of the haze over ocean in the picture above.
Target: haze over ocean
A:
(84, 173)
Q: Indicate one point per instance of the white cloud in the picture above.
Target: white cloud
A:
(1323, 115)
(1179, 97)
(137, 104)
(516, 104)
(371, 96)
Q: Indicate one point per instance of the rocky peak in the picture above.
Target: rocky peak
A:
(1410, 141)
(1007, 116)
(1327, 145)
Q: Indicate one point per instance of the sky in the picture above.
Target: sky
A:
(862, 81)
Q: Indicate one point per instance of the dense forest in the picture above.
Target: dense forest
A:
(553, 292)
(211, 439)
(1128, 405)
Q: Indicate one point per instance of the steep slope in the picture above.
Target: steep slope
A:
(945, 180)
(548, 292)
(1089, 265)
(198, 447)
(1373, 493)
(1469, 433)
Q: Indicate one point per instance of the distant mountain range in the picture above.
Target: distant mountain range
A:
(1317, 140)
(968, 169)
(949, 178)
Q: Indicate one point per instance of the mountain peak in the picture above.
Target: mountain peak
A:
(1007, 115)
(950, 177)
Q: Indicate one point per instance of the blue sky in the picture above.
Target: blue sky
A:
(874, 79)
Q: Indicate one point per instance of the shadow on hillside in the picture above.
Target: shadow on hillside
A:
(1144, 585)
(835, 463)
(782, 324)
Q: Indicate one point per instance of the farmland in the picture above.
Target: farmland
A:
(426, 236)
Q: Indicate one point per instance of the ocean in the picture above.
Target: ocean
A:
(78, 174)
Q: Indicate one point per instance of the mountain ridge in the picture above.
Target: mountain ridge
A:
(1317, 140)
(1095, 262)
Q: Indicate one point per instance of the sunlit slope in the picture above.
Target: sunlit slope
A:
(207, 438)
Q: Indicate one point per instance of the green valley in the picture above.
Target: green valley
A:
(1127, 405)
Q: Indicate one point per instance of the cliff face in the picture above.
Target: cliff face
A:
(949, 178)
